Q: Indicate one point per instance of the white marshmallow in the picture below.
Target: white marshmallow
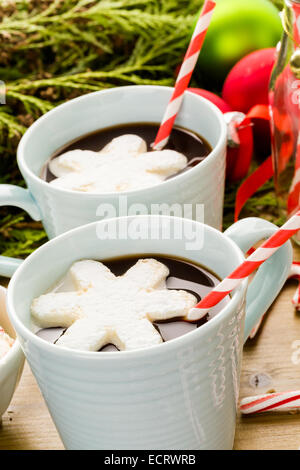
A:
(163, 162)
(145, 274)
(57, 309)
(75, 161)
(126, 144)
(113, 177)
(121, 166)
(109, 309)
(6, 343)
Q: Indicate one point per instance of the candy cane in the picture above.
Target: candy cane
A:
(295, 273)
(256, 328)
(282, 401)
(184, 75)
(259, 256)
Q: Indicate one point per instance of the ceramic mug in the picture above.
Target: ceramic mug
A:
(181, 394)
(11, 365)
(61, 210)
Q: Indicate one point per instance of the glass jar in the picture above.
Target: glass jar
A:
(284, 99)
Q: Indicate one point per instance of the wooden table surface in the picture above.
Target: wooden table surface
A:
(270, 362)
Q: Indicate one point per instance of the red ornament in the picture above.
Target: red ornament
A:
(239, 156)
(215, 99)
(252, 129)
(247, 83)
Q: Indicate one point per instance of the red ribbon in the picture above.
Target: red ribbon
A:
(263, 173)
(251, 184)
(239, 158)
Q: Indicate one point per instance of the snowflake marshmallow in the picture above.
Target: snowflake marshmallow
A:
(122, 165)
(6, 343)
(112, 309)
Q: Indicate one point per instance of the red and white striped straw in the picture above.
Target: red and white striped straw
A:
(282, 401)
(295, 273)
(184, 75)
(259, 256)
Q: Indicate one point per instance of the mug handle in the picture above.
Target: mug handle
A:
(270, 277)
(11, 195)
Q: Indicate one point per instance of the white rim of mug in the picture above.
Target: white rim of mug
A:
(25, 169)
(233, 304)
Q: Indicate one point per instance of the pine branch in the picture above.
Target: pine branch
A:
(92, 29)
(18, 238)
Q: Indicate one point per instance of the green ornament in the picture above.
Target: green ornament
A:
(238, 27)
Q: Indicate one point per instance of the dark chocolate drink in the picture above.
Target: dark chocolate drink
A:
(184, 275)
(190, 144)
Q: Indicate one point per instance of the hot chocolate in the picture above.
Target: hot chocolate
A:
(150, 280)
(120, 159)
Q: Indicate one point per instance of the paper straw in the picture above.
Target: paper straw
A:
(184, 75)
(259, 256)
(282, 401)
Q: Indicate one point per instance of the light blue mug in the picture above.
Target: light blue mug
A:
(61, 210)
(181, 394)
